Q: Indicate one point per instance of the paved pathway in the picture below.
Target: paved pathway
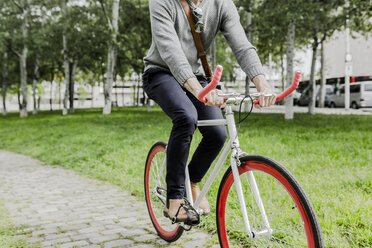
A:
(60, 208)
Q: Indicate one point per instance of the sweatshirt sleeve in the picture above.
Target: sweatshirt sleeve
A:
(167, 41)
(233, 31)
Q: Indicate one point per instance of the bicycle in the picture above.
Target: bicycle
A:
(280, 213)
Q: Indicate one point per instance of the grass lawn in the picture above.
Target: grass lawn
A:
(331, 156)
(8, 232)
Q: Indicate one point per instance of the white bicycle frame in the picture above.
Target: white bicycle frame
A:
(231, 145)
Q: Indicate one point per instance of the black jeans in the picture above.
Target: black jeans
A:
(184, 110)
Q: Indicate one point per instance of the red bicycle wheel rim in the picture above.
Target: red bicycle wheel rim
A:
(159, 229)
(259, 166)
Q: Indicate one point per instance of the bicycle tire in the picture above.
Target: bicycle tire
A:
(163, 226)
(303, 222)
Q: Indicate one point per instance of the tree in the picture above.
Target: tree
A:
(34, 83)
(83, 37)
(39, 44)
(359, 13)
(312, 70)
(24, 8)
(4, 63)
(22, 20)
(276, 37)
(9, 64)
(4, 73)
(111, 56)
(288, 115)
(313, 21)
(326, 19)
(65, 57)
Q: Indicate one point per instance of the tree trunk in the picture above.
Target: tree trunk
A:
(312, 79)
(290, 56)
(72, 85)
(269, 74)
(19, 98)
(59, 94)
(5, 80)
(23, 68)
(282, 65)
(51, 89)
(111, 57)
(247, 89)
(138, 90)
(122, 93)
(116, 90)
(213, 54)
(65, 62)
(248, 32)
(23, 63)
(116, 95)
(322, 77)
(34, 83)
(92, 103)
(134, 92)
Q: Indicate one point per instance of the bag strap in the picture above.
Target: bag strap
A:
(198, 42)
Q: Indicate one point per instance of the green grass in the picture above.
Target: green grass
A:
(329, 154)
(8, 232)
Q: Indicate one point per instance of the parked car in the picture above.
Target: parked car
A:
(305, 97)
(360, 95)
(296, 97)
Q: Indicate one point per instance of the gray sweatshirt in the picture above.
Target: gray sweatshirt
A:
(173, 47)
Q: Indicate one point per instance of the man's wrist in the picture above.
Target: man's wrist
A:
(260, 82)
(193, 85)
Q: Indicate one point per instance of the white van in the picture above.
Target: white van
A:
(305, 97)
(360, 95)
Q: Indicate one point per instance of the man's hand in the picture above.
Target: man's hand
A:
(214, 100)
(193, 85)
(267, 96)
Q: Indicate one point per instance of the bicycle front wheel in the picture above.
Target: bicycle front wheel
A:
(156, 193)
(290, 214)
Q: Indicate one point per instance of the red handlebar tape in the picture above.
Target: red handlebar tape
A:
(216, 78)
(289, 90)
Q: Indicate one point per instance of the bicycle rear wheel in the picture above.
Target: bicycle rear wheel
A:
(292, 218)
(156, 193)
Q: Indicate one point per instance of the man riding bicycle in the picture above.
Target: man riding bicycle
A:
(174, 77)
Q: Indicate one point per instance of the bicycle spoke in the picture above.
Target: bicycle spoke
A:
(291, 244)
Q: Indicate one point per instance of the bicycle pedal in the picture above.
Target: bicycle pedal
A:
(184, 226)
(187, 222)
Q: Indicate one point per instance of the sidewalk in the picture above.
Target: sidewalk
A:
(63, 209)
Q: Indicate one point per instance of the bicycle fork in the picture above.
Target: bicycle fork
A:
(251, 234)
(234, 163)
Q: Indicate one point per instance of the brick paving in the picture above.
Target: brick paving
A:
(56, 207)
